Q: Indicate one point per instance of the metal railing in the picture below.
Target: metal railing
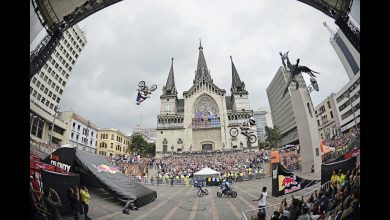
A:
(276, 207)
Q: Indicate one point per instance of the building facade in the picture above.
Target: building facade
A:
(112, 142)
(281, 108)
(149, 134)
(48, 85)
(347, 102)
(261, 122)
(80, 132)
(348, 55)
(263, 118)
(202, 119)
(327, 118)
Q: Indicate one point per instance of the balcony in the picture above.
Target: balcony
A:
(205, 123)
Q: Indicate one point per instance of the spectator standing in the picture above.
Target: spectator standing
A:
(262, 200)
(53, 204)
(74, 200)
(84, 197)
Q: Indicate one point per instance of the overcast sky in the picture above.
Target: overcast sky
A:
(135, 40)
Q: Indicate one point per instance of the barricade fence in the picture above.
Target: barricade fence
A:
(247, 214)
(181, 181)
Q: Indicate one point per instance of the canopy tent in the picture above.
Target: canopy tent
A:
(207, 172)
(327, 149)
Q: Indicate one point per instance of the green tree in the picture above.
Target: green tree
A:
(273, 136)
(138, 145)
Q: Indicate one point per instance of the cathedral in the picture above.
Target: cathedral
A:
(203, 118)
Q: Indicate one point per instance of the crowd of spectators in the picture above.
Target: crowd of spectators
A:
(341, 200)
(229, 165)
(342, 140)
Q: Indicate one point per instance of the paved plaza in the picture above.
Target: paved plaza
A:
(181, 202)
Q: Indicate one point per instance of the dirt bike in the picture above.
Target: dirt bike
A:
(142, 86)
(248, 133)
(202, 192)
(230, 192)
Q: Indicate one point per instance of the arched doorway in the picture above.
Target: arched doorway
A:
(207, 146)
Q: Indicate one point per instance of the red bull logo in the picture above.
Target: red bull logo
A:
(286, 181)
(289, 180)
(105, 168)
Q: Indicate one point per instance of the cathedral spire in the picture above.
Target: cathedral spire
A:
(170, 88)
(237, 84)
(201, 70)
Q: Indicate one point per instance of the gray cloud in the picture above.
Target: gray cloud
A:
(132, 41)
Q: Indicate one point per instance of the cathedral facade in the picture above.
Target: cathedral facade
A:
(202, 119)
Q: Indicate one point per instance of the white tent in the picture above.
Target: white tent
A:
(207, 172)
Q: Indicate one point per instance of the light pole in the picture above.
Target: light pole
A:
(353, 111)
(56, 108)
(87, 134)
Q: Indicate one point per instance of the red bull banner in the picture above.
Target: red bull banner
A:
(285, 181)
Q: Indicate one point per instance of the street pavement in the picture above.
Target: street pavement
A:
(181, 202)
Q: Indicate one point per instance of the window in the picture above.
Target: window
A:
(31, 89)
(38, 83)
(61, 91)
(57, 88)
(41, 74)
(78, 127)
(39, 96)
(45, 66)
(73, 125)
(63, 83)
(67, 76)
(76, 55)
(43, 100)
(46, 90)
(52, 85)
(63, 62)
(112, 145)
(73, 61)
(42, 87)
(62, 72)
(112, 136)
(36, 126)
(77, 137)
(328, 104)
(50, 93)
(71, 135)
(45, 78)
(56, 66)
(47, 103)
(58, 99)
(34, 80)
(67, 65)
(70, 68)
(49, 70)
(318, 122)
(51, 105)
(56, 77)
(49, 82)
(60, 80)
(54, 97)
(34, 93)
(331, 114)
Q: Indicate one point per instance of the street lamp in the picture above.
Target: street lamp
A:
(350, 102)
(56, 108)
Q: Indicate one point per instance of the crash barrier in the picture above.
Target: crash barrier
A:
(180, 181)
(245, 215)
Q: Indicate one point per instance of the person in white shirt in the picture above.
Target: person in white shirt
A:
(262, 200)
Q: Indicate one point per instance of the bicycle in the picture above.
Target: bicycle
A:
(248, 133)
